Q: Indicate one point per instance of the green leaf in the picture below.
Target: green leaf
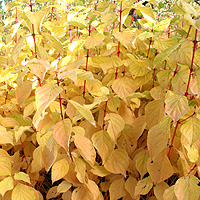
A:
(186, 188)
(190, 129)
(6, 184)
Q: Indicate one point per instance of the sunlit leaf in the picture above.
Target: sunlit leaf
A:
(143, 186)
(6, 184)
(22, 176)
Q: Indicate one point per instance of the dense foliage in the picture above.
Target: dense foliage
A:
(97, 103)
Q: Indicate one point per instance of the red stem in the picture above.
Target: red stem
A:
(170, 87)
(51, 18)
(149, 47)
(132, 17)
(61, 111)
(154, 76)
(191, 67)
(104, 115)
(70, 33)
(189, 31)
(87, 57)
(16, 23)
(172, 141)
(77, 32)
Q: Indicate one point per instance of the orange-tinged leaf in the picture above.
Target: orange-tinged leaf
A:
(176, 105)
(22, 176)
(6, 184)
(130, 185)
(154, 111)
(124, 86)
(159, 190)
(83, 193)
(23, 192)
(103, 143)
(100, 171)
(46, 94)
(59, 170)
(9, 122)
(6, 136)
(86, 148)
(160, 168)
(92, 186)
(117, 189)
(117, 162)
(85, 112)
(115, 125)
(80, 169)
(191, 129)
(64, 186)
(157, 141)
(187, 188)
(143, 186)
(23, 92)
(62, 132)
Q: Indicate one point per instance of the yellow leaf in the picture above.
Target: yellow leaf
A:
(22, 176)
(80, 169)
(190, 129)
(154, 111)
(176, 105)
(143, 186)
(113, 104)
(9, 122)
(124, 86)
(45, 95)
(64, 186)
(117, 162)
(160, 168)
(117, 189)
(164, 43)
(59, 169)
(141, 163)
(130, 185)
(19, 131)
(23, 92)
(103, 143)
(37, 163)
(29, 109)
(85, 112)
(169, 194)
(157, 141)
(94, 87)
(92, 186)
(187, 188)
(6, 184)
(159, 190)
(100, 171)
(82, 193)
(6, 136)
(115, 125)
(94, 40)
(23, 192)
(86, 148)
(62, 132)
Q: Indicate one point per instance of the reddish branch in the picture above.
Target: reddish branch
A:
(175, 71)
(104, 115)
(86, 67)
(191, 67)
(24, 152)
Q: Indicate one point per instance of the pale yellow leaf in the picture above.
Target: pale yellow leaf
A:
(86, 148)
(83, 193)
(80, 169)
(143, 186)
(115, 125)
(59, 170)
(117, 189)
(141, 163)
(22, 176)
(176, 105)
(85, 112)
(9, 122)
(154, 111)
(103, 143)
(92, 186)
(5, 166)
(187, 188)
(157, 141)
(62, 132)
(6, 136)
(6, 184)
(37, 163)
(100, 171)
(117, 162)
(160, 168)
(159, 190)
(64, 186)
(23, 192)
(169, 194)
(130, 185)
(124, 86)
